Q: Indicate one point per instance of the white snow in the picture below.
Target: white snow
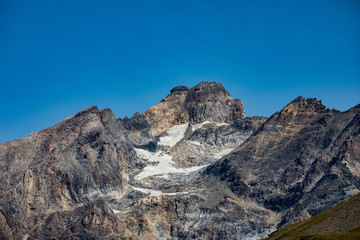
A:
(223, 152)
(175, 134)
(158, 156)
(353, 167)
(199, 125)
(195, 143)
(164, 167)
(123, 211)
(153, 192)
(148, 191)
(115, 211)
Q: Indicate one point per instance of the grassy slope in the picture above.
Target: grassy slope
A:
(339, 222)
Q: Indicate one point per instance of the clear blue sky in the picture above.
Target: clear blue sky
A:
(58, 57)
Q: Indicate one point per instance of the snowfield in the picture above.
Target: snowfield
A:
(164, 165)
(175, 134)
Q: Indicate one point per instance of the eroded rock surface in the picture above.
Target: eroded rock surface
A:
(191, 167)
(298, 162)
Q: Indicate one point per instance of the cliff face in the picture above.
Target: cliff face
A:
(299, 162)
(61, 168)
(191, 167)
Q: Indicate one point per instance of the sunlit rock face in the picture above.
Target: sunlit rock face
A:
(61, 168)
(207, 101)
(191, 167)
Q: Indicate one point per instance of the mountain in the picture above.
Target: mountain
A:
(301, 161)
(191, 167)
(339, 222)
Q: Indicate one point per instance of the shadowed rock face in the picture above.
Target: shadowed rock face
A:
(179, 89)
(210, 101)
(299, 162)
(191, 167)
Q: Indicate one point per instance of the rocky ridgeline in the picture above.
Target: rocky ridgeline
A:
(191, 167)
(204, 102)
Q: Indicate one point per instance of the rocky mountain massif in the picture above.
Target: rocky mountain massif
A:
(191, 167)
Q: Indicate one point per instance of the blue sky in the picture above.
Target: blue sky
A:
(58, 57)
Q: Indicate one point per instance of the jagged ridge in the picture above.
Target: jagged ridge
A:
(191, 167)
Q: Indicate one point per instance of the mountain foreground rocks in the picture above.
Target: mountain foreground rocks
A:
(191, 167)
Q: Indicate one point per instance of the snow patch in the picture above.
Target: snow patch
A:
(223, 152)
(148, 191)
(164, 165)
(175, 134)
(154, 157)
(153, 192)
(199, 125)
(118, 211)
(115, 211)
(353, 167)
(195, 143)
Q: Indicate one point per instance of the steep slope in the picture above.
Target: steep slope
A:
(191, 167)
(185, 132)
(339, 222)
(303, 160)
(295, 165)
(92, 175)
(81, 159)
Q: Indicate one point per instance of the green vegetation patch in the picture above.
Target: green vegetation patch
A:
(343, 236)
(299, 230)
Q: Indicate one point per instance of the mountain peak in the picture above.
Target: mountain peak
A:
(206, 84)
(300, 105)
(207, 101)
(207, 91)
(92, 109)
(179, 89)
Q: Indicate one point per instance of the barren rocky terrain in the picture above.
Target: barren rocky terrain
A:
(191, 167)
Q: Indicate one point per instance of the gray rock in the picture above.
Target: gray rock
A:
(93, 176)
(294, 164)
(179, 89)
